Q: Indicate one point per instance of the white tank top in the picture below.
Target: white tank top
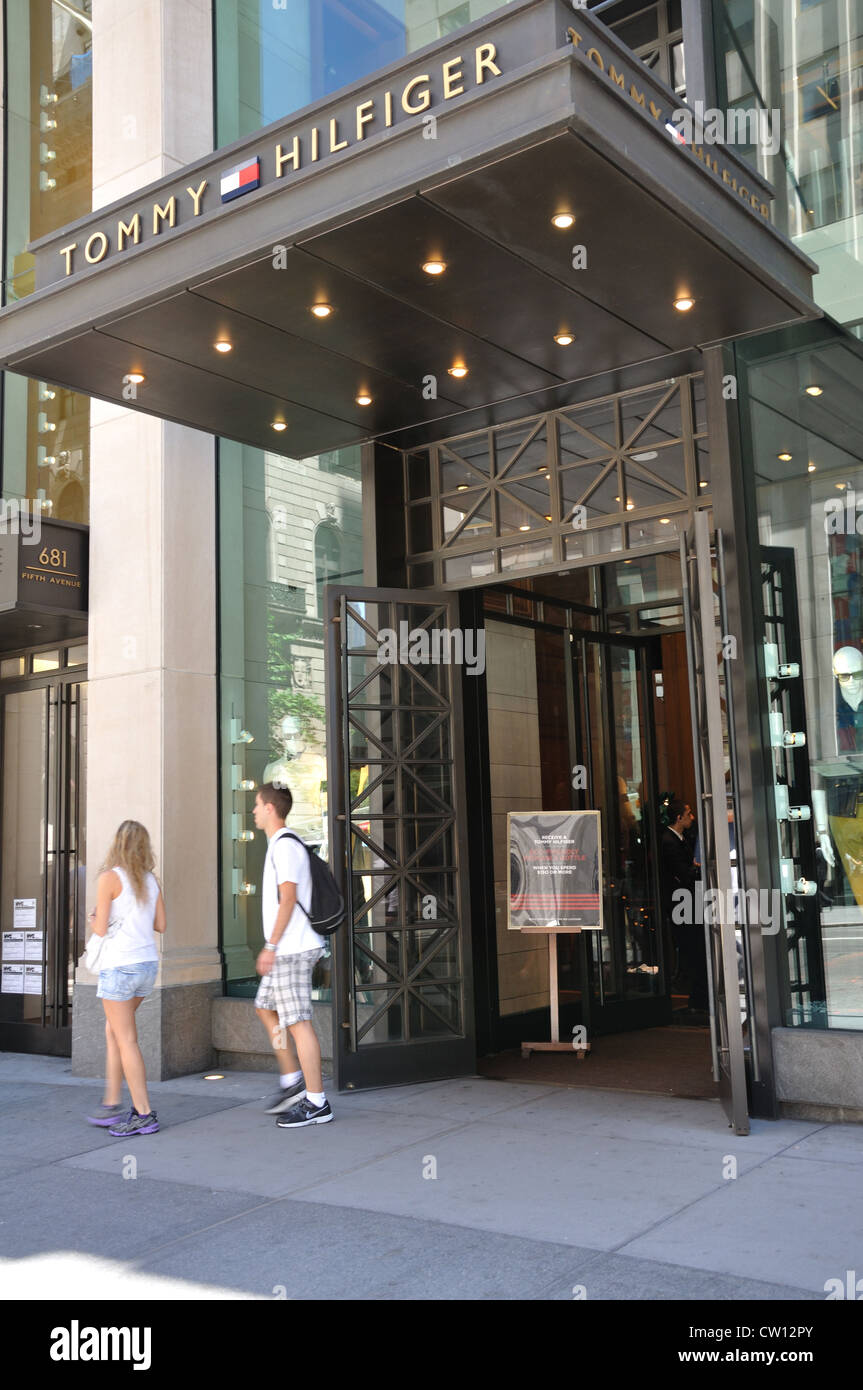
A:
(135, 941)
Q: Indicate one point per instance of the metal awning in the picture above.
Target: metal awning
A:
(461, 153)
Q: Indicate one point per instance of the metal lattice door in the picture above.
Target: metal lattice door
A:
(402, 999)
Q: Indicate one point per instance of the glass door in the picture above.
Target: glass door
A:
(615, 750)
(41, 862)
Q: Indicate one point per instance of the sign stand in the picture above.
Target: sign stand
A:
(555, 1045)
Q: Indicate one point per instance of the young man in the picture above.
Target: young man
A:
(680, 871)
(284, 998)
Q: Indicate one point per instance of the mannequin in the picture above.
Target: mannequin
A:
(836, 804)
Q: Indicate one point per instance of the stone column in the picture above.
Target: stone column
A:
(152, 729)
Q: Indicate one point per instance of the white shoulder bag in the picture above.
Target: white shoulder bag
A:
(95, 944)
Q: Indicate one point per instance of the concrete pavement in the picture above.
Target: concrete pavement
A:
(471, 1188)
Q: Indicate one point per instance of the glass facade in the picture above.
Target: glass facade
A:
(794, 68)
(49, 141)
(273, 58)
(286, 529)
(803, 423)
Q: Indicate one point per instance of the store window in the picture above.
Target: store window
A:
(803, 420)
(272, 59)
(48, 126)
(795, 71)
(286, 528)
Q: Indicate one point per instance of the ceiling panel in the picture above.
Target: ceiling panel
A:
(640, 255)
(485, 290)
(265, 359)
(96, 363)
(374, 328)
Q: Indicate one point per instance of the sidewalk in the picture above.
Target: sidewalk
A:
(539, 1189)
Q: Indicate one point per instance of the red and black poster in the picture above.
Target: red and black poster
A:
(555, 871)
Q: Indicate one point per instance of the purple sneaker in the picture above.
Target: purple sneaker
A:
(107, 1115)
(135, 1124)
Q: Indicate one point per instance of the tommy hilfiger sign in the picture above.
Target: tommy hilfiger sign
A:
(416, 96)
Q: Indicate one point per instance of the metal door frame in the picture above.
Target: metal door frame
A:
(698, 550)
(404, 1061)
(52, 1034)
(640, 1011)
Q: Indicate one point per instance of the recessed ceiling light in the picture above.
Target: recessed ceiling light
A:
(322, 311)
(135, 377)
(683, 304)
(364, 398)
(630, 506)
(548, 518)
(703, 482)
(214, 1076)
(458, 370)
(645, 457)
(841, 487)
(462, 487)
(784, 457)
(524, 528)
(665, 521)
(279, 425)
(563, 220)
(543, 468)
(815, 390)
(811, 468)
(564, 339)
(434, 267)
(223, 345)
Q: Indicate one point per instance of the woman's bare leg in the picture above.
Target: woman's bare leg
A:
(121, 1016)
(113, 1068)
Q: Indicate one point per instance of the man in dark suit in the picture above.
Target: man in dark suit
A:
(679, 870)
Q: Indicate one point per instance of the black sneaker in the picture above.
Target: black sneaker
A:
(284, 1097)
(306, 1114)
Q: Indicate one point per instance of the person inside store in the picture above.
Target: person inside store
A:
(680, 870)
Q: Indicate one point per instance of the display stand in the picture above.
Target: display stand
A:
(555, 1045)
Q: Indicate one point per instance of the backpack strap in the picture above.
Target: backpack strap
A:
(288, 834)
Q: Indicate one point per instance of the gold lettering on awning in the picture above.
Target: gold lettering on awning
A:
(125, 230)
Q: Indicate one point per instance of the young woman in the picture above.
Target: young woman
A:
(129, 894)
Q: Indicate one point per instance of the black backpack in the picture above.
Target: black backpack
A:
(328, 905)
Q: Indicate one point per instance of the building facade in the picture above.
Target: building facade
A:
(531, 323)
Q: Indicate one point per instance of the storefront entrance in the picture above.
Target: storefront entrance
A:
(579, 717)
(587, 684)
(43, 718)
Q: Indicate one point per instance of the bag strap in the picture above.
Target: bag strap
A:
(282, 835)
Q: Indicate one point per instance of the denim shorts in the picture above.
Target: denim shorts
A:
(128, 981)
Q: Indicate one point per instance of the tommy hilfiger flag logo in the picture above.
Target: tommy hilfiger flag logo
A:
(241, 179)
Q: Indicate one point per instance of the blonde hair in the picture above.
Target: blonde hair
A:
(131, 850)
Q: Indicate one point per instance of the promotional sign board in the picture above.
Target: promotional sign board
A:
(555, 871)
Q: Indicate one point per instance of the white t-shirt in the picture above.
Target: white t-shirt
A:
(136, 940)
(287, 861)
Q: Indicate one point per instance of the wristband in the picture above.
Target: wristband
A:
(268, 947)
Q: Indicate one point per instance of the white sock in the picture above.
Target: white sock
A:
(316, 1098)
(289, 1078)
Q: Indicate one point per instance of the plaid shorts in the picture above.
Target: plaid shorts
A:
(288, 987)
